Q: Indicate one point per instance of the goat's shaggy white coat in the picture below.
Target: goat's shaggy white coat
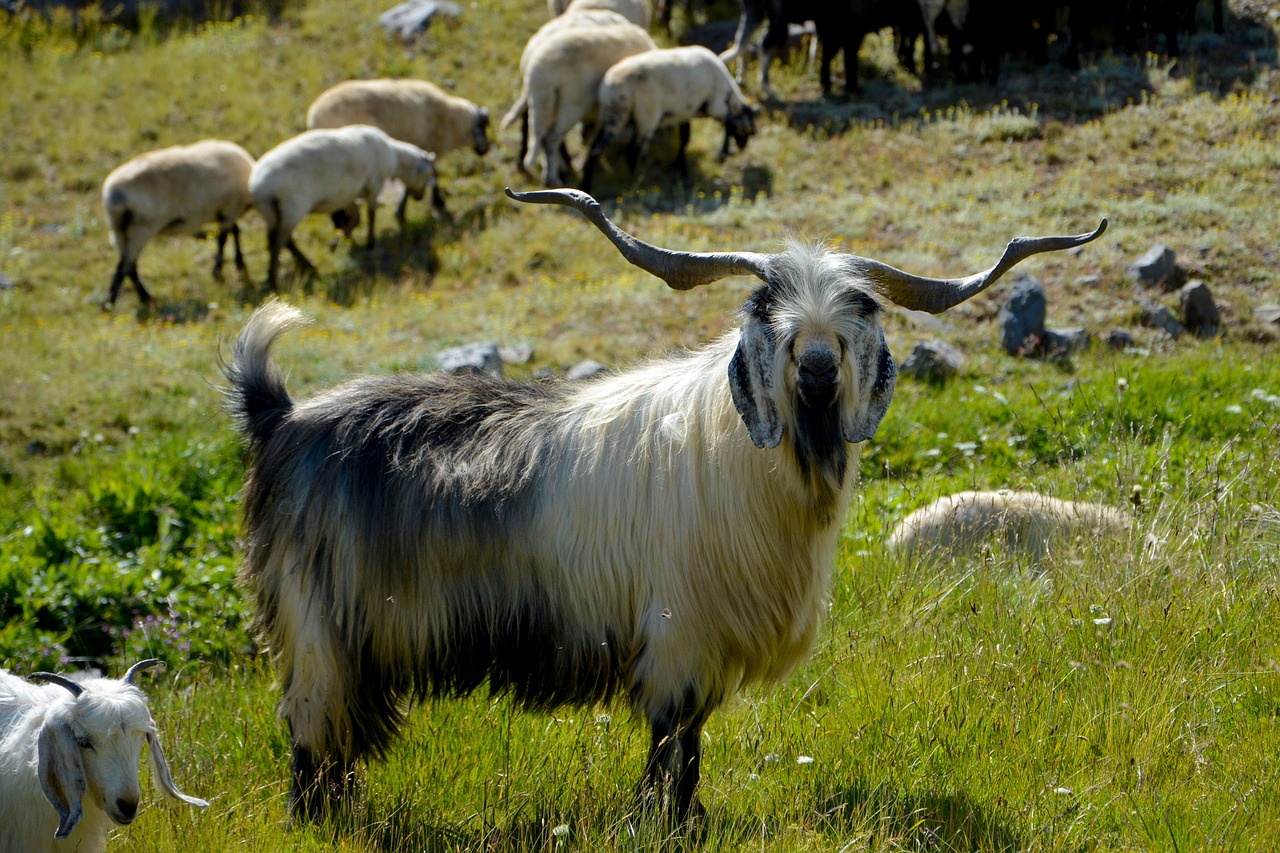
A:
(175, 190)
(1021, 523)
(45, 733)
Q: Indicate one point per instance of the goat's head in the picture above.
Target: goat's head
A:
(91, 746)
(811, 357)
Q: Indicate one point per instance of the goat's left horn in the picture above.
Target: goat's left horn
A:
(936, 295)
(139, 667)
(680, 270)
(60, 680)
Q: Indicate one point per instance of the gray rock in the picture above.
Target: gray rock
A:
(1199, 311)
(1056, 343)
(1268, 314)
(1156, 316)
(516, 353)
(472, 358)
(1158, 267)
(1119, 339)
(932, 361)
(586, 370)
(1022, 315)
(410, 20)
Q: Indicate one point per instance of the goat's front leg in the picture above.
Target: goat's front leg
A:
(674, 767)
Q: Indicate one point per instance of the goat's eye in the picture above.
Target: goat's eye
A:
(84, 742)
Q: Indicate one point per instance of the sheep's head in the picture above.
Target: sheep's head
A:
(480, 132)
(91, 746)
(811, 359)
(741, 126)
(423, 179)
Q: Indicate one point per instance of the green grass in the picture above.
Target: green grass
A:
(1127, 697)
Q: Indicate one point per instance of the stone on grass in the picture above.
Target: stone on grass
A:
(1158, 267)
(1022, 315)
(586, 370)
(1057, 343)
(932, 361)
(1157, 316)
(408, 21)
(1119, 339)
(1199, 311)
(472, 358)
(516, 353)
(1268, 314)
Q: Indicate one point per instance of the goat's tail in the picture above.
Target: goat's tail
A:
(257, 396)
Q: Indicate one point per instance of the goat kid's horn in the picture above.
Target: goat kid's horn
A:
(60, 680)
(139, 667)
(936, 295)
(680, 270)
(686, 270)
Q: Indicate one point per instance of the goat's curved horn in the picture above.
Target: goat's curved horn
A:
(936, 295)
(680, 270)
(139, 667)
(60, 680)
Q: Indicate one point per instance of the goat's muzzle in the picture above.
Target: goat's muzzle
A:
(818, 379)
(124, 811)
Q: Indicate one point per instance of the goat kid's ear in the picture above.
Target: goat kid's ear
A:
(61, 774)
(875, 392)
(163, 777)
(751, 378)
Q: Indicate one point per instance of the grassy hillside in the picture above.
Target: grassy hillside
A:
(1125, 697)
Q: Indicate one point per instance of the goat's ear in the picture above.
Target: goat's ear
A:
(875, 391)
(61, 774)
(163, 777)
(751, 376)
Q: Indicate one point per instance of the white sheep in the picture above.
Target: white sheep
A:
(635, 11)
(667, 88)
(328, 171)
(578, 18)
(412, 111)
(69, 755)
(1022, 523)
(562, 77)
(175, 190)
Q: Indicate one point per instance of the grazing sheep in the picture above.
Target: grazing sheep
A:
(666, 532)
(1023, 523)
(175, 190)
(667, 88)
(328, 171)
(69, 754)
(520, 109)
(635, 11)
(561, 81)
(412, 111)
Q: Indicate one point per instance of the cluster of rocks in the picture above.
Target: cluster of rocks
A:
(1022, 318)
(491, 359)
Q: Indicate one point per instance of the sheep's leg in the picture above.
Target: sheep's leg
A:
(438, 205)
(235, 239)
(373, 211)
(117, 279)
(682, 160)
(222, 244)
(143, 296)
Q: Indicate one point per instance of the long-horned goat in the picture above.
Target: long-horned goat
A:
(69, 755)
(666, 532)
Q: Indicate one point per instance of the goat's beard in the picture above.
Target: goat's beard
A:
(822, 456)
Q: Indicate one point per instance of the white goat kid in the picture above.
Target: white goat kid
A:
(74, 746)
(425, 534)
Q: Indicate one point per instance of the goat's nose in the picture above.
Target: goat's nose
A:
(126, 809)
(819, 376)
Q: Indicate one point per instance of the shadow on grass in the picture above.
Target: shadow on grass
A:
(876, 817)
(1218, 64)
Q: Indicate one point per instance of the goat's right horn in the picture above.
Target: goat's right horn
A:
(936, 295)
(60, 680)
(680, 270)
(139, 667)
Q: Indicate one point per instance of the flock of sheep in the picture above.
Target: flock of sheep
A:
(666, 532)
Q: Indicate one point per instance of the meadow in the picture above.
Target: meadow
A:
(1123, 696)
